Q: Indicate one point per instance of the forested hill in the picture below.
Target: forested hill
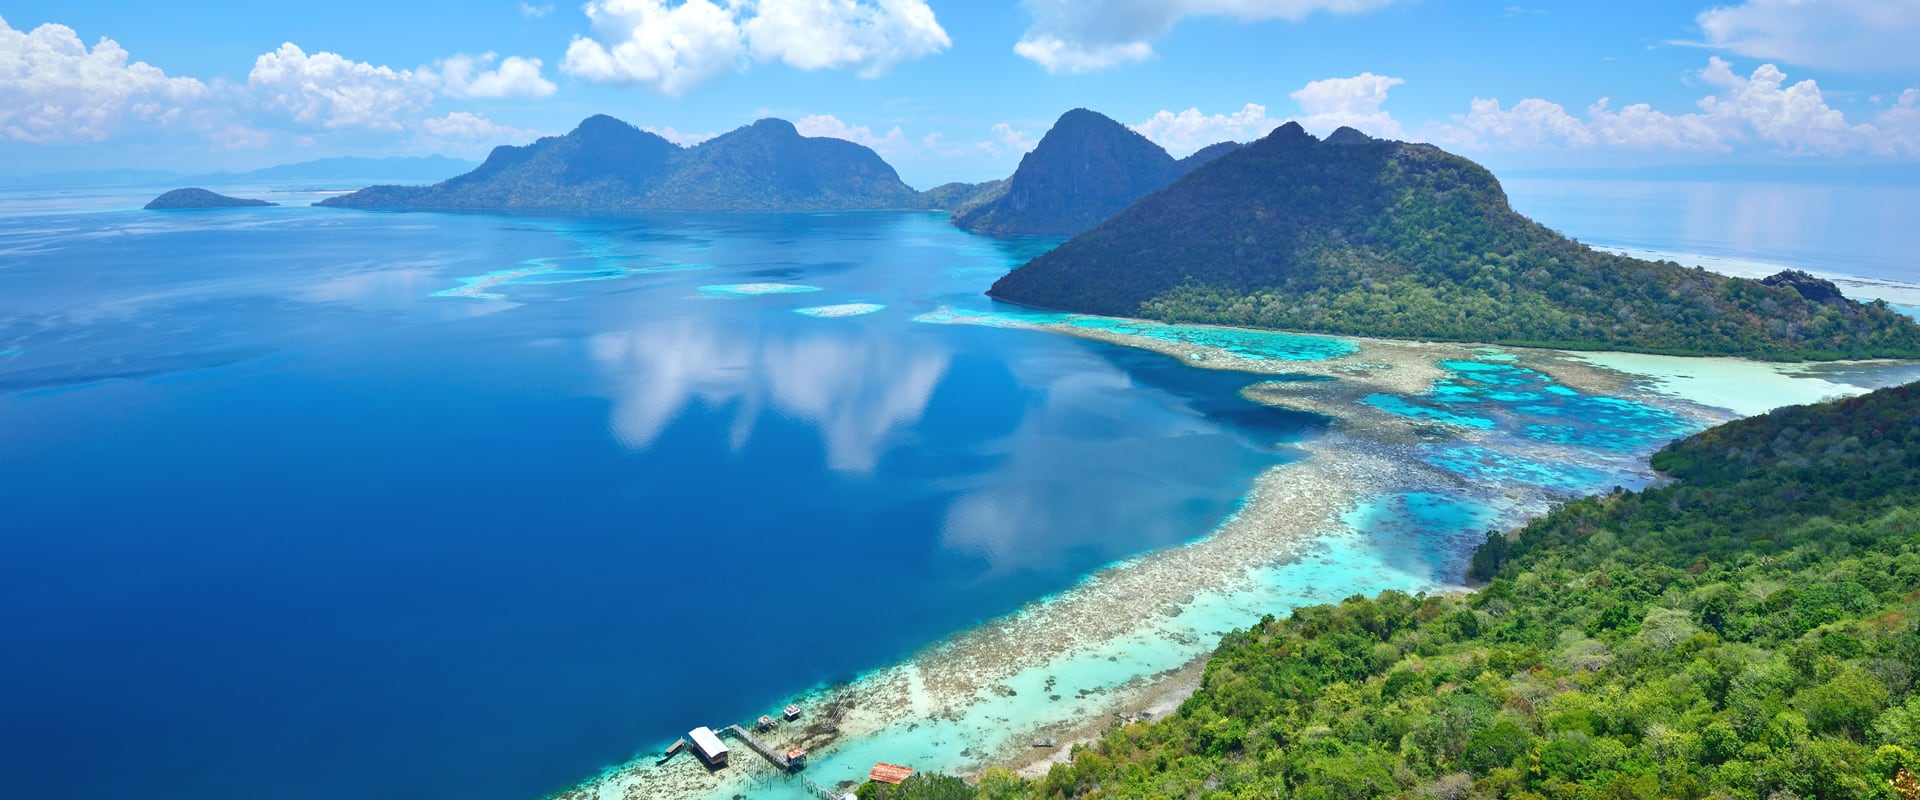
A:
(1751, 631)
(1366, 237)
(1085, 169)
(607, 164)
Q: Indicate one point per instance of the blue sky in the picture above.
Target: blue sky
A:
(959, 90)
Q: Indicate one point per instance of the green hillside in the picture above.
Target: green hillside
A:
(1366, 237)
(1750, 631)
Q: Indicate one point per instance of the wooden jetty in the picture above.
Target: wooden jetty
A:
(772, 756)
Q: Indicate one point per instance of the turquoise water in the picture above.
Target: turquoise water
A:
(1525, 404)
(1246, 344)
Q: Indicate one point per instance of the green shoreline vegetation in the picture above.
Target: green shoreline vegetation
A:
(1358, 236)
(1750, 630)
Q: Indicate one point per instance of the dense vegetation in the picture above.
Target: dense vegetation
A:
(190, 199)
(960, 198)
(1366, 237)
(1750, 631)
(1087, 168)
(607, 164)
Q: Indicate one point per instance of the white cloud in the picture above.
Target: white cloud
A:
(832, 34)
(531, 11)
(1325, 105)
(1008, 141)
(1086, 35)
(331, 91)
(52, 88)
(462, 75)
(830, 126)
(673, 45)
(1057, 55)
(240, 137)
(1184, 132)
(1758, 109)
(468, 125)
(1354, 102)
(1844, 34)
(671, 48)
(677, 137)
(464, 133)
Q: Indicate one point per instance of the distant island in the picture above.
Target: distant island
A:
(1087, 168)
(1359, 236)
(193, 199)
(607, 164)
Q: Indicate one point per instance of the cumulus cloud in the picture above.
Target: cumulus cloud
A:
(468, 125)
(829, 126)
(834, 34)
(1058, 55)
(674, 45)
(53, 88)
(1008, 141)
(1843, 34)
(464, 133)
(671, 48)
(463, 75)
(332, 91)
(239, 137)
(1086, 35)
(531, 11)
(1324, 105)
(1759, 109)
(1354, 102)
(1186, 131)
(329, 90)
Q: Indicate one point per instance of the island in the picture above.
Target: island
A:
(1359, 236)
(607, 164)
(193, 199)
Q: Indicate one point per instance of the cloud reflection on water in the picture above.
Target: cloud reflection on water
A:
(859, 392)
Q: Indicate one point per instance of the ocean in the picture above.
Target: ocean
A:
(310, 503)
(289, 503)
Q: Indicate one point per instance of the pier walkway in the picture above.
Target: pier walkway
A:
(754, 743)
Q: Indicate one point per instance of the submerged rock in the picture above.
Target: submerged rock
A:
(193, 198)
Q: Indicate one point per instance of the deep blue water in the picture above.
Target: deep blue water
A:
(278, 521)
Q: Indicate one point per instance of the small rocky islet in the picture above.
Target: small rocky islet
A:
(194, 199)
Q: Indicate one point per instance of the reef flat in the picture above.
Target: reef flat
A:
(1429, 446)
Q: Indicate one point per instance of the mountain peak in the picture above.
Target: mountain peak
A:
(1348, 136)
(601, 123)
(1086, 168)
(774, 126)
